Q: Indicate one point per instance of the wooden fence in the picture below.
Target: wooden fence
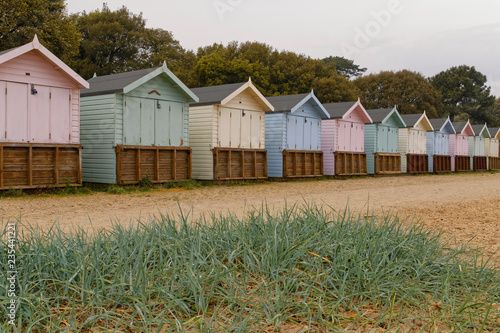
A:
(479, 163)
(158, 164)
(350, 164)
(417, 163)
(30, 165)
(387, 164)
(494, 163)
(302, 163)
(442, 163)
(462, 163)
(239, 164)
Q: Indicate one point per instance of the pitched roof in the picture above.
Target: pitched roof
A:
(10, 54)
(224, 93)
(459, 125)
(215, 94)
(438, 123)
(113, 83)
(478, 129)
(286, 103)
(293, 103)
(494, 131)
(378, 115)
(338, 110)
(126, 82)
(411, 119)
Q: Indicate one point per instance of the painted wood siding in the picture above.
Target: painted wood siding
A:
(328, 139)
(203, 138)
(276, 136)
(371, 144)
(379, 138)
(98, 138)
(403, 147)
(431, 148)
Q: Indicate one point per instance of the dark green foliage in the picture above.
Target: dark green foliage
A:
(410, 91)
(345, 66)
(465, 95)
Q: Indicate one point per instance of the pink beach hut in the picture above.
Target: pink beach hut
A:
(459, 146)
(343, 139)
(39, 119)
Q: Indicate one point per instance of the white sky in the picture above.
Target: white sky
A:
(426, 36)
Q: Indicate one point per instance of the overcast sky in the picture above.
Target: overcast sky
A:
(426, 36)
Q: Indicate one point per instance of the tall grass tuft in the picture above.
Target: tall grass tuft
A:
(306, 266)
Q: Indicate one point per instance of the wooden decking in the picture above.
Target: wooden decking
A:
(158, 164)
(350, 164)
(387, 164)
(442, 163)
(479, 163)
(302, 163)
(239, 164)
(31, 165)
(494, 163)
(462, 163)
(417, 163)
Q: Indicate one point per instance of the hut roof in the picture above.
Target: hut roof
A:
(461, 125)
(495, 132)
(292, 103)
(481, 130)
(382, 115)
(411, 119)
(338, 110)
(224, 93)
(126, 82)
(443, 124)
(35, 45)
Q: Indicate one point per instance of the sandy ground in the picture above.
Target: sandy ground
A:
(464, 206)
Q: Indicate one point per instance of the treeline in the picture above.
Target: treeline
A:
(106, 42)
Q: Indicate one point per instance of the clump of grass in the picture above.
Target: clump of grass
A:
(309, 266)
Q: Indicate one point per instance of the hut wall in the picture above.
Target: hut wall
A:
(275, 143)
(328, 140)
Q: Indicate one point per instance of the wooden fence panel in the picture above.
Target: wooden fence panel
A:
(417, 163)
(462, 163)
(479, 163)
(387, 164)
(302, 163)
(29, 165)
(350, 164)
(158, 164)
(239, 164)
(494, 163)
(442, 163)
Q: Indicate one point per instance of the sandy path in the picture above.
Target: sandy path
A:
(462, 205)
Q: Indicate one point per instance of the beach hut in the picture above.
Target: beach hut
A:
(477, 151)
(459, 146)
(135, 127)
(293, 136)
(381, 141)
(413, 143)
(492, 147)
(39, 119)
(227, 132)
(438, 145)
(343, 139)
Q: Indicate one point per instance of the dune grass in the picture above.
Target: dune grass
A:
(305, 266)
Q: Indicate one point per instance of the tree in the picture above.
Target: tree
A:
(20, 20)
(111, 42)
(465, 94)
(335, 88)
(410, 91)
(345, 66)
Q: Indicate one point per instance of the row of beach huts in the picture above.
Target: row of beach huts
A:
(58, 129)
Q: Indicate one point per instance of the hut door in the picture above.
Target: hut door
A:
(392, 140)
(147, 123)
(60, 111)
(176, 124)
(357, 137)
(295, 132)
(16, 113)
(382, 139)
(307, 133)
(162, 124)
(40, 116)
(250, 129)
(315, 132)
(132, 121)
(255, 126)
(344, 136)
(299, 134)
(229, 128)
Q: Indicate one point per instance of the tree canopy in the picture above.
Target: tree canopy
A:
(410, 91)
(465, 94)
(345, 66)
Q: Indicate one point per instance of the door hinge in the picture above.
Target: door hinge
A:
(69, 137)
(140, 140)
(50, 135)
(50, 95)
(69, 98)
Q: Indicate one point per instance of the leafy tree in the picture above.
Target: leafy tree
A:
(345, 66)
(465, 94)
(410, 91)
(496, 114)
(20, 20)
(111, 42)
(335, 88)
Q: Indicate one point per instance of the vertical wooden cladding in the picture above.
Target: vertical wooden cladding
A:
(494, 163)
(39, 165)
(158, 164)
(417, 163)
(350, 164)
(239, 164)
(387, 164)
(442, 163)
(462, 163)
(480, 163)
(302, 163)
